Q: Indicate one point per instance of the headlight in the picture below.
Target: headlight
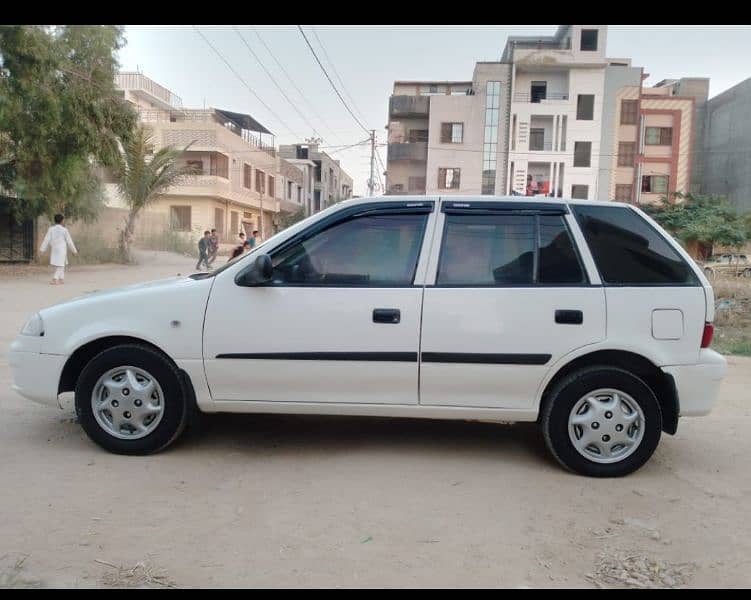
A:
(34, 326)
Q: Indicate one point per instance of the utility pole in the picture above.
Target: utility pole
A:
(371, 183)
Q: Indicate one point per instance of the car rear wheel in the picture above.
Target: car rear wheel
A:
(602, 422)
(130, 400)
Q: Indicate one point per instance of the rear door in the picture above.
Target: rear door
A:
(508, 296)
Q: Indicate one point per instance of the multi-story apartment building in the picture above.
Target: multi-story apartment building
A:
(528, 124)
(726, 149)
(653, 132)
(330, 182)
(241, 184)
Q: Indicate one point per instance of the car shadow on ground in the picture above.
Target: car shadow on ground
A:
(317, 434)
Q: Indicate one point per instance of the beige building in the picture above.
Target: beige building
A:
(242, 184)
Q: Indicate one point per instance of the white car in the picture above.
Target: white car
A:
(583, 316)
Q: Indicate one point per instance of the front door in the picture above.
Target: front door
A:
(510, 298)
(339, 321)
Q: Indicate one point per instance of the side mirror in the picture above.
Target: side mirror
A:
(257, 273)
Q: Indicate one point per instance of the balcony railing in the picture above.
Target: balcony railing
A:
(136, 81)
(527, 97)
(409, 106)
(408, 151)
(540, 147)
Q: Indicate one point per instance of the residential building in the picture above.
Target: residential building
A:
(307, 167)
(241, 184)
(726, 155)
(654, 138)
(330, 182)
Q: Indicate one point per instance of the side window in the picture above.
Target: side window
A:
(558, 262)
(370, 251)
(499, 250)
(628, 250)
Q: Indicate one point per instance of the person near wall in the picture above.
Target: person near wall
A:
(59, 240)
(213, 246)
(203, 250)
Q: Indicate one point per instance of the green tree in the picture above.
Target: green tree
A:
(705, 219)
(60, 116)
(142, 175)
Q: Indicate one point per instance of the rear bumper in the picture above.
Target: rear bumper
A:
(698, 385)
(36, 376)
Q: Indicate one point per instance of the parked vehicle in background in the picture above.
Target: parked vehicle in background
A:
(585, 317)
(727, 264)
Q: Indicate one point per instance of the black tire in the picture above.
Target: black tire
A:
(562, 399)
(176, 409)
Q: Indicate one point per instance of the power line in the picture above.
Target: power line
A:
(281, 91)
(349, 110)
(292, 81)
(224, 60)
(331, 62)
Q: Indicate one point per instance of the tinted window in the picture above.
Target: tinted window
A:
(487, 250)
(628, 250)
(558, 260)
(377, 250)
(500, 250)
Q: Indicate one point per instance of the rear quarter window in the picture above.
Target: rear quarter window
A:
(628, 250)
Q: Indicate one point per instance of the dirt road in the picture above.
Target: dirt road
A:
(292, 501)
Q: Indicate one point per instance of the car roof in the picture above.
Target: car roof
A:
(474, 198)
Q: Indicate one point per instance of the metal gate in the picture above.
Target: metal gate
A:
(16, 239)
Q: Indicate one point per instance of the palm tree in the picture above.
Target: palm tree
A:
(143, 174)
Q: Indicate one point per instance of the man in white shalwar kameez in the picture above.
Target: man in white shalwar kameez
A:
(59, 240)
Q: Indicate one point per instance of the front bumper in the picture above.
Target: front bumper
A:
(698, 385)
(36, 376)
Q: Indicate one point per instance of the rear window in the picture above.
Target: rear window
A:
(628, 250)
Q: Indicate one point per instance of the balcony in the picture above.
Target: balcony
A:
(137, 83)
(409, 106)
(417, 151)
(526, 97)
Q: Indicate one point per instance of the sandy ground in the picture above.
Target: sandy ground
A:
(320, 501)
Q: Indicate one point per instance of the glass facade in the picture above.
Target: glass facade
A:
(490, 145)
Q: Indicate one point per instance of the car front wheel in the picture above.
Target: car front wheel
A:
(129, 400)
(602, 422)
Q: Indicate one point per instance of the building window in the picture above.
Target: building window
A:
(589, 40)
(219, 165)
(536, 139)
(449, 179)
(289, 190)
(299, 195)
(247, 176)
(260, 181)
(219, 220)
(582, 154)
(452, 133)
(180, 218)
(580, 192)
(416, 184)
(234, 221)
(272, 190)
(658, 136)
(490, 139)
(538, 90)
(585, 107)
(626, 154)
(417, 135)
(629, 111)
(654, 184)
(196, 165)
(624, 192)
(301, 152)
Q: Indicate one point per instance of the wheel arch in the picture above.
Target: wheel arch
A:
(661, 383)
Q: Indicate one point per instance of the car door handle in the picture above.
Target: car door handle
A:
(570, 317)
(387, 315)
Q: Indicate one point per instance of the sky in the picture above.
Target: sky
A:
(364, 61)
